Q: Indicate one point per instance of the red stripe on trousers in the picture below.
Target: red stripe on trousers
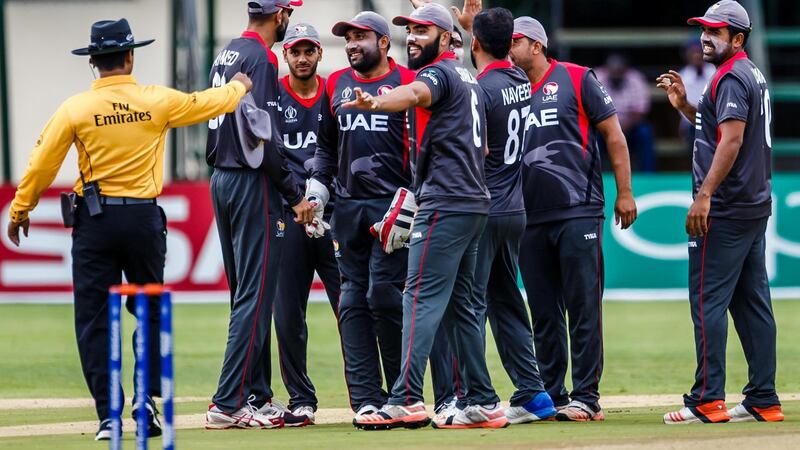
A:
(414, 305)
(702, 319)
(260, 295)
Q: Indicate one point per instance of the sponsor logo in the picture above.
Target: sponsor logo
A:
(607, 99)
(590, 236)
(416, 235)
(290, 113)
(550, 88)
(692, 244)
(336, 252)
(732, 105)
(431, 76)
(385, 89)
(347, 93)
(280, 228)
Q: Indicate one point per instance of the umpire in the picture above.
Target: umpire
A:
(118, 128)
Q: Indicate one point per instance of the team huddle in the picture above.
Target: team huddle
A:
(430, 189)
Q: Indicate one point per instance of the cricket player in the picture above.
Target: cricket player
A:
(732, 187)
(364, 156)
(300, 114)
(506, 89)
(448, 124)
(248, 207)
(561, 257)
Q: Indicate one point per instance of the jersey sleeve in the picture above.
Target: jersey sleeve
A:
(596, 101)
(189, 109)
(326, 161)
(46, 158)
(732, 100)
(436, 81)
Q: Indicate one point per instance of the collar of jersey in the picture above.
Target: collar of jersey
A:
(116, 79)
(553, 64)
(737, 56)
(392, 66)
(307, 102)
(442, 57)
(505, 64)
(253, 35)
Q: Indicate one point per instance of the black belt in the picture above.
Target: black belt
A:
(117, 201)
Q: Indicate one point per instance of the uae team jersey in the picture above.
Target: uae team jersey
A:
(365, 151)
(507, 93)
(248, 54)
(447, 140)
(738, 91)
(300, 119)
(562, 177)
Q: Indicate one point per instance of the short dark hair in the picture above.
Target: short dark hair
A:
(736, 30)
(110, 61)
(493, 28)
(259, 19)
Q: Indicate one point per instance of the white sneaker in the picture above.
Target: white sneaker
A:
(305, 411)
(274, 408)
(446, 409)
(473, 416)
(742, 413)
(247, 417)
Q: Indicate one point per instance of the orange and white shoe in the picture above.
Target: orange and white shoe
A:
(473, 416)
(394, 416)
(743, 413)
(577, 411)
(711, 412)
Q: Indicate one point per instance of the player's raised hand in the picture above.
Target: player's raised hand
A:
(672, 83)
(363, 100)
(466, 15)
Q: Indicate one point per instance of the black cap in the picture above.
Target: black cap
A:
(110, 36)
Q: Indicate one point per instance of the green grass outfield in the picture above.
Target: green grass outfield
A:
(649, 350)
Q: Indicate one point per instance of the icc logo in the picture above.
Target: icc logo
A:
(550, 88)
(346, 93)
(281, 228)
(385, 89)
(290, 113)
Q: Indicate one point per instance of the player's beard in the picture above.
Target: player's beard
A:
(369, 60)
(720, 49)
(427, 55)
(280, 33)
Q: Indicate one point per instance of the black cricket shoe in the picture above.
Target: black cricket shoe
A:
(154, 425)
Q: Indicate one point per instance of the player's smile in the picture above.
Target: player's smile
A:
(414, 50)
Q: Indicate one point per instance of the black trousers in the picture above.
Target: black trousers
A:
(250, 222)
(129, 239)
(727, 272)
(562, 269)
(302, 256)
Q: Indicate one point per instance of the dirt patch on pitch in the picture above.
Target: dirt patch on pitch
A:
(344, 415)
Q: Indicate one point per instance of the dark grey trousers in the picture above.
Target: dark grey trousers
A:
(441, 270)
(562, 270)
(250, 222)
(497, 295)
(727, 272)
(302, 256)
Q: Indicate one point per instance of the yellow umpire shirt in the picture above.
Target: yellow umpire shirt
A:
(118, 127)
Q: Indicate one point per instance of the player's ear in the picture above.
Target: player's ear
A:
(446, 40)
(475, 45)
(319, 49)
(383, 43)
(285, 57)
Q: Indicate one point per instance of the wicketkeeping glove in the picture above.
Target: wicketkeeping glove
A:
(317, 194)
(395, 228)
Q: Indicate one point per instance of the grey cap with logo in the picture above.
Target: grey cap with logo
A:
(271, 6)
(366, 20)
(302, 32)
(530, 28)
(428, 14)
(722, 14)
